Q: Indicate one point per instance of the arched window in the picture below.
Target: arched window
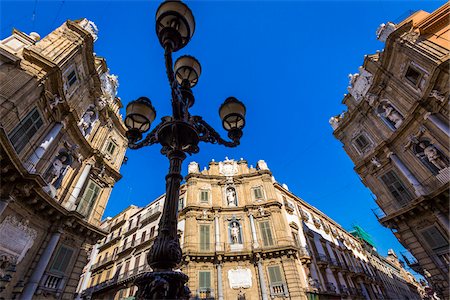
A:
(389, 114)
(430, 156)
(235, 231)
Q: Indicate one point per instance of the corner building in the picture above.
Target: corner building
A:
(396, 131)
(245, 236)
(62, 143)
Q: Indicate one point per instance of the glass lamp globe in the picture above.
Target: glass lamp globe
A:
(140, 115)
(187, 70)
(232, 113)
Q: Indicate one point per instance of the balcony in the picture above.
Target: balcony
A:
(322, 260)
(117, 223)
(150, 216)
(335, 264)
(278, 289)
(134, 272)
(205, 293)
(131, 229)
(331, 288)
(107, 259)
(109, 240)
(344, 290)
(52, 283)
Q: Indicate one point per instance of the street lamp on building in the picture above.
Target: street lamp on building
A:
(178, 134)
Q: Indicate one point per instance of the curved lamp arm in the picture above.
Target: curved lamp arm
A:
(210, 135)
(150, 139)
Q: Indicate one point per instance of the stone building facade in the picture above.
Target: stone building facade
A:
(62, 145)
(245, 236)
(396, 131)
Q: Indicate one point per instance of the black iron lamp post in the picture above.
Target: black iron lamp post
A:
(178, 134)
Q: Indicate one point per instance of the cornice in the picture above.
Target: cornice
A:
(222, 177)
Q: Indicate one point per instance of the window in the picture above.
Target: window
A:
(21, 135)
(204, 237)
(204, 284)
(110, 148)
(413, 76)
(361, 143)
(138, 218)
(152, 231)
(434, 238)
(180, 204)
(136, 261)
(396, 188)
(71, 78)
(143, 236)
(258, 193)
(266, 233)
(62, 259)
(108, 274)
(275, 274)
(204, 196)
(296, 240)
(88, 199)
(130, 225)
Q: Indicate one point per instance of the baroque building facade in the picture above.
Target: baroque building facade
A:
(62, 145)
(245, 236)
(396, 131)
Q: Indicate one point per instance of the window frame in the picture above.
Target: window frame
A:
(264, 233)
(436, 248)
(364, 150)
(25, 136)
(64, 259)
(261, 189)
(92, 201)
(419, 77)
(112, 154)
(208, 193)
(280, 273)
(405, 198)
(204, 246)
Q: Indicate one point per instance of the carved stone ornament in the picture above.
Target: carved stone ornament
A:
(205, 215)
(55, 100)
(16, 238)
(414, 138)
(228, 167)
(437, 95)
(90, 27)
(193, 167)
(262, 165)
(375, 162)
(359, 83)
(240, 278)
(384, 30)
(317, 222)
(110, 85)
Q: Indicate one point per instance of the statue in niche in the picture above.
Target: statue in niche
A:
(241, 295)
(231, 196)
(392, 115)
(235, 233)
(433, 155)
(57, 169)
(87, 121)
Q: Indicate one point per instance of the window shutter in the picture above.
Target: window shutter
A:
(266, 233)
(204, 196)
(21, 135)
(204, 237)
(88, 199)
(204, 279)
(434, 238)
(275, 274)
(62, 259)
(258, 193)
(396, 188)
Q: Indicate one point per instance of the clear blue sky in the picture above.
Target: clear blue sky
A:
(287, 61)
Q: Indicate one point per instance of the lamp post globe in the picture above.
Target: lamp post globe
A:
(232, 112)
(175, 24)
(187, 71)
(140, 114)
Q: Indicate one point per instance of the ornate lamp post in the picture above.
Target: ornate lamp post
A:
(178, 134)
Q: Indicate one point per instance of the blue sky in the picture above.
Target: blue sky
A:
(288, 61)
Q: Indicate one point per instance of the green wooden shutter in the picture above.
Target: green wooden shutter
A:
(258, 193)
(62, 259)
(204, 279)
(204, 237)
(204, 196)
(275, 274)
(396, 187)
(434, 238)
(88, 199)
(266, 233)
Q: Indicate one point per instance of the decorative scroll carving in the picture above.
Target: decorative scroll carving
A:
(228, 167)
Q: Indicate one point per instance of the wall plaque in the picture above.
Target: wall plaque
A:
(240, 278)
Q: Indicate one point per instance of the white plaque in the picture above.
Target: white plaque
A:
(15, 239)
(240, 278)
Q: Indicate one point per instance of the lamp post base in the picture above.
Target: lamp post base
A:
(162, 285)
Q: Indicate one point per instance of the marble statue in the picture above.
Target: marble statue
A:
(86, 122)
(231, 196)
(234, 230)
(392, 115)
(433, 156)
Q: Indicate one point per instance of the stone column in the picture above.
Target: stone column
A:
(39, 269)
(364, 290)
(36, 156)
(87, 275)
(3, 204)
(437, 122)
(70, 204)
(253, 229)
(219, 282)
(217, 232)
(418, 188)
(262, 282)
